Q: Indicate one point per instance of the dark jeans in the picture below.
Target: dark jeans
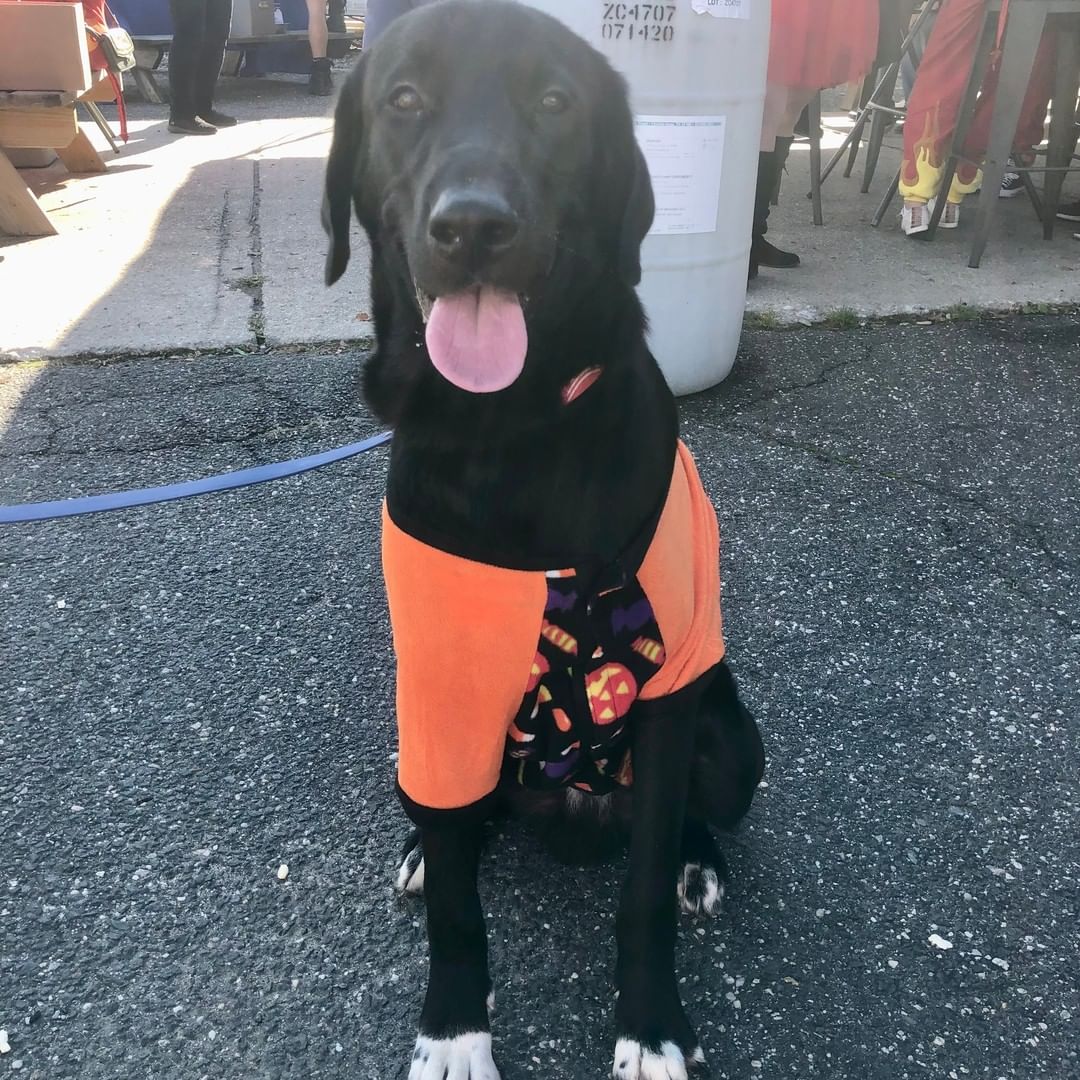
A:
(380, 13)
(200, 30)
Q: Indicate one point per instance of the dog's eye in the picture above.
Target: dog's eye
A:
(554, 101)
(405, 99)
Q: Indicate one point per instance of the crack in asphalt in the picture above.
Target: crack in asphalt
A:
(823, 378)
(1026, 529)
(252, 441)
(257, 322)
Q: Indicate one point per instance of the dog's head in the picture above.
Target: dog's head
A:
(490, 155)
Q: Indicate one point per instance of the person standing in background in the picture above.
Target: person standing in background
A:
(934, 108)
(381, 13)
(200, 30)
(320, 84)
(813, 44)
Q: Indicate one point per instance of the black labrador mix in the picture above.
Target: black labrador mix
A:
(489, 154)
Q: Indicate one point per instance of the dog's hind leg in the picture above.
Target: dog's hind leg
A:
(728, 759)
(704, 871)
(655, 1038)
(455, 1029)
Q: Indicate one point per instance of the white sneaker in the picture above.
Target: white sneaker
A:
(950, 218)
(915, 218)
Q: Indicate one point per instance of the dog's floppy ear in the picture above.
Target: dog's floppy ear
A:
(341, 169)
(637, 217)
(623, 192)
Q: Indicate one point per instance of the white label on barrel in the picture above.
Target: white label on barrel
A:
(723, 9)
(685, 155)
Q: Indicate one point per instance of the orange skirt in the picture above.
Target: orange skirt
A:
(820, 43)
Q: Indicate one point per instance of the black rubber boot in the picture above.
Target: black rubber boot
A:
(762, 253)
(320, 84)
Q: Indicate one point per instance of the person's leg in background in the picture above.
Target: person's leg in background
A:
(783, 104)
(320, 82)
(216, 34)
(911, 60)
(335, 18)
(189, 27)
(1032, 125)
(932, 112)
(381, 13)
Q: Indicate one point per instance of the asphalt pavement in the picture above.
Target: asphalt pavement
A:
(195, 694)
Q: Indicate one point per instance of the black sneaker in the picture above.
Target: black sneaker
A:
(1012, 183)
(320, 84)
(218, 119)
(1069, 211)
(191, 126)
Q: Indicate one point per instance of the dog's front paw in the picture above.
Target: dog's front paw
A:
(635, 1061)
(410, 876)
(701, 889)
(466, 1057)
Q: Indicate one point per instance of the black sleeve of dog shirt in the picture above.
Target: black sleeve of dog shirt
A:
(426, 817)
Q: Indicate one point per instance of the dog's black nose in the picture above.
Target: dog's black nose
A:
(469, 226)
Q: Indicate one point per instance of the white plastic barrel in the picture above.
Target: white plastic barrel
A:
(696, 70)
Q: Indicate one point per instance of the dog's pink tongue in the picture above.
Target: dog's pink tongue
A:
(477, 339)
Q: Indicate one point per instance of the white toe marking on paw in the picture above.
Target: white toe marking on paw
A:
(467, 1057)
(634, 1062)
(491, 1003)
(410, 875)
(700, 890)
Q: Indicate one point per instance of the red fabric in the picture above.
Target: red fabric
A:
(820, 43)
(938, 94)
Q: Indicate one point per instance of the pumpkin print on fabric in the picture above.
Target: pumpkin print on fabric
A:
(611, 691)
(594, 655)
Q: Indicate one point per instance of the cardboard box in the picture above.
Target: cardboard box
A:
(43, 47)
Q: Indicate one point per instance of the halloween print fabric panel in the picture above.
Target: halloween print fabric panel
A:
(594, 655)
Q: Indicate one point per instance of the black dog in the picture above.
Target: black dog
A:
(489, 154)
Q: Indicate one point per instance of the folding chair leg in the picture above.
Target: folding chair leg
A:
(840, 151)
(103, 125)
(873, 149)
(883, 206)
(1033, 195)
(869, 88)
(1062, 123)
(1022, 36)
(883, 95)
(815, 157)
